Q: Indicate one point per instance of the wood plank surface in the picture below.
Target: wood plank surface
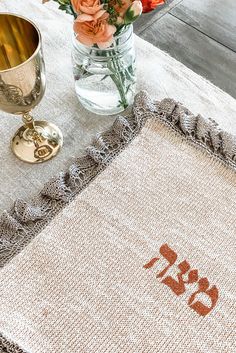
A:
(215, 18)
(197, 51)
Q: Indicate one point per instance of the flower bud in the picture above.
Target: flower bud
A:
(133, 12)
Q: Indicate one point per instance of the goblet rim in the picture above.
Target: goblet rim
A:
(38, 46)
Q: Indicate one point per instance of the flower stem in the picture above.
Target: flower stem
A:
(119, 82)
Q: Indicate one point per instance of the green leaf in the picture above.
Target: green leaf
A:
(65, 5)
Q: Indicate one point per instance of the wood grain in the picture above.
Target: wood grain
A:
(197, 51)
(217, 19)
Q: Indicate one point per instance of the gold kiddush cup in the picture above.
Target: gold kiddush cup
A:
(22, 86)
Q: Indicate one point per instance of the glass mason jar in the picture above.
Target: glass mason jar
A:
(105, 78)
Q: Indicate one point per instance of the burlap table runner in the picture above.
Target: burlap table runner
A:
(158, 73)
(143, 260)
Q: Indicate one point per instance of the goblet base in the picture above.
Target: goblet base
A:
(39, 145)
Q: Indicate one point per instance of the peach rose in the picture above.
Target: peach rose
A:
(83, 17)
(89, 7)
(97, 31)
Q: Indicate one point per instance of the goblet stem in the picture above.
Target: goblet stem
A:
(31, 133)
(28, 121)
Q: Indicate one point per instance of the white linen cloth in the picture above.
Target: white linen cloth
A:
(158, 73)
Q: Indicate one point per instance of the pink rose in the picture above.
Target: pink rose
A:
(96, 31)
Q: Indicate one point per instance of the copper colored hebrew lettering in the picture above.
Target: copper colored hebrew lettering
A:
(151, 262)
(170, 256)
(178, 287)
(213, 294)
(191, 276)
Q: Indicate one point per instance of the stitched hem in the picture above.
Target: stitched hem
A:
(8, 346)
(26, 219)
(201, 132)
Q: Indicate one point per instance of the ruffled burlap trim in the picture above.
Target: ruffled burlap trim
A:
(26, 219)
(202, 132)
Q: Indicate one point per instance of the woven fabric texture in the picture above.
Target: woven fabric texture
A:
(27, 218)
(141, 261)
(158, 73)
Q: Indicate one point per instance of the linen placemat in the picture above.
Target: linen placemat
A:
(143, 259)
(158, 73)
